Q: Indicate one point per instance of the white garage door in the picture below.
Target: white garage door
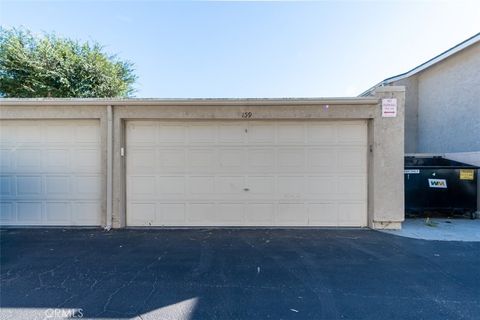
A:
(248, 173)
(50, 172)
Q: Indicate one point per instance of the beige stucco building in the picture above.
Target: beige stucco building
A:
(442, 106)
(215, 162)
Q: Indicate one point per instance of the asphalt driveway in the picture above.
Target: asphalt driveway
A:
(235, 274)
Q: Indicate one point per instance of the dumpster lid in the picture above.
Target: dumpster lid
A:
(435, 162)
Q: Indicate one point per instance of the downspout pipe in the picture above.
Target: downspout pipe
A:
(108, 224)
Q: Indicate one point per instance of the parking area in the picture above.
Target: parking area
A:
(235, 274)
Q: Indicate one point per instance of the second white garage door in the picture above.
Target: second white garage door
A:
(50, 173)
(247, 173)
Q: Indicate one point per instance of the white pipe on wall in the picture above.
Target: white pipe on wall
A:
(108, 224)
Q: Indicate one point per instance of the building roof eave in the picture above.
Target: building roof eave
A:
(442, 56)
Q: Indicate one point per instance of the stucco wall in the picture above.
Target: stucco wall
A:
(411, 112)
(449, 104)
(442, 105)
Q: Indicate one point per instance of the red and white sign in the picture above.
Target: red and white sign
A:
(389, 108)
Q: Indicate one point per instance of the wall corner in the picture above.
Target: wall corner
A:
(386, 162)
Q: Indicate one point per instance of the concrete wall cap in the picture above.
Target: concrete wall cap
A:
(192, 102)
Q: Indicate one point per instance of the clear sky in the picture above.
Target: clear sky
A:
(257, 49)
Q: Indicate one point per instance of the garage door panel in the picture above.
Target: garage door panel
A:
(59, 133)
(173, 214)
(28, 160)
(260, 214)
(58, 185)
(6, 160)
(322, 186)
(142, 161)
(291, 186)
(58, 212)
(6, 186)
(351, 133)
(87, 133)
(172, 160)
(291, 214)
(260, 134)
(29, 212)
(351, 159)
(6, 212)
(57, 160)
(321, 133)
(50, 166)
(349, 214)
(260, 185)
(202, 133)
(142, 133)
(202, 160)
(321, 159)
(325, 214)
(28, 133)
(229, 214)
(142, 186)
(261, 159)
(170, 133)
(290, 133)
(88, 186)
(248, 173)
(87, 212)
(201, 214)
(144, 213)
(29, 186)
(291, 159)
(204, 185)
(6, 134)
(231, 160)
(231, 134)
(86, 160)
(352, 188)
(233, 185)
(171, 185)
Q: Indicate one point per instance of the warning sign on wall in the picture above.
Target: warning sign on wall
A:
(466, 174)
(389, 108)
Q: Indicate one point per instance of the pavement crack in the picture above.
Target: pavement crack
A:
(125, 285)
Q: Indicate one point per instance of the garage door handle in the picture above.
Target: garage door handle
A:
(246, 189)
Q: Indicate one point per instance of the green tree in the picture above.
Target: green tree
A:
(49, 66)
